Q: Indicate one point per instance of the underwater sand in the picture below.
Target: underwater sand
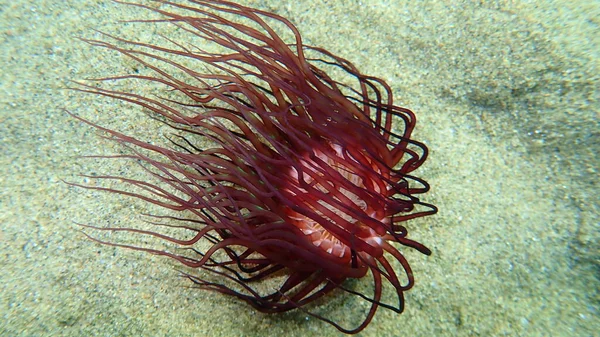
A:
(507, 98)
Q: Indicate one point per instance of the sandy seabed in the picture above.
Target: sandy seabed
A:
(507, 98)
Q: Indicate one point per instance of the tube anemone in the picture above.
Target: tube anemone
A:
(307, 177)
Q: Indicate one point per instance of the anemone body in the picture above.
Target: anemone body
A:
(307, 176)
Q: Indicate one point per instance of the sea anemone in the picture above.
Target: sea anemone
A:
(287, 173)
